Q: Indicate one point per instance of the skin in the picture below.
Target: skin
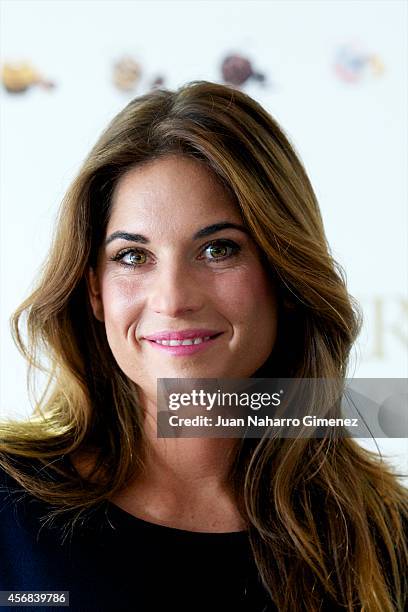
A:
(177, 283)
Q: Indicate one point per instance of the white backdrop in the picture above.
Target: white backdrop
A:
(350, 134)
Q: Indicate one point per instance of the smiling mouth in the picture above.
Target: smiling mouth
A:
(187, 341)
(186, 346)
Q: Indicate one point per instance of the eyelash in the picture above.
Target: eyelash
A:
(235, 249)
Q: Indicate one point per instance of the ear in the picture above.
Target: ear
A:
(94, 293)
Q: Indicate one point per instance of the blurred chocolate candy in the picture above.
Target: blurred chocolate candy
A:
(18, 77)
(236, 70)
(126, 73)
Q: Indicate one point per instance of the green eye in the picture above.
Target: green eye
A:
(218, 251)
(136, 258)
(131, 258)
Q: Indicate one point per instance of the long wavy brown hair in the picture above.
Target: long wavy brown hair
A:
(325, 517)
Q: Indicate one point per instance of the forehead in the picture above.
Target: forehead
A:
(174, 192)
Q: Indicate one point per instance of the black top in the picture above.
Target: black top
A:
(116, 562)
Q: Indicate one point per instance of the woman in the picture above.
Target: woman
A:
(192, 219)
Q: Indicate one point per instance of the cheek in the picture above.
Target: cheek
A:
(248, 299)
(121, 302)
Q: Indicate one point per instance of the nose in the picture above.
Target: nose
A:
(175, 291)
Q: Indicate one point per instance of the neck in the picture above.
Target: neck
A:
(185, 483)
(186, 464)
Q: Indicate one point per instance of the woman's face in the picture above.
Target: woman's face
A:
(178, 266)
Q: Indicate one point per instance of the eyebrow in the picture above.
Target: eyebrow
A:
(202, 233)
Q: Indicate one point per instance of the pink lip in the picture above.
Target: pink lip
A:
(183, 335)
